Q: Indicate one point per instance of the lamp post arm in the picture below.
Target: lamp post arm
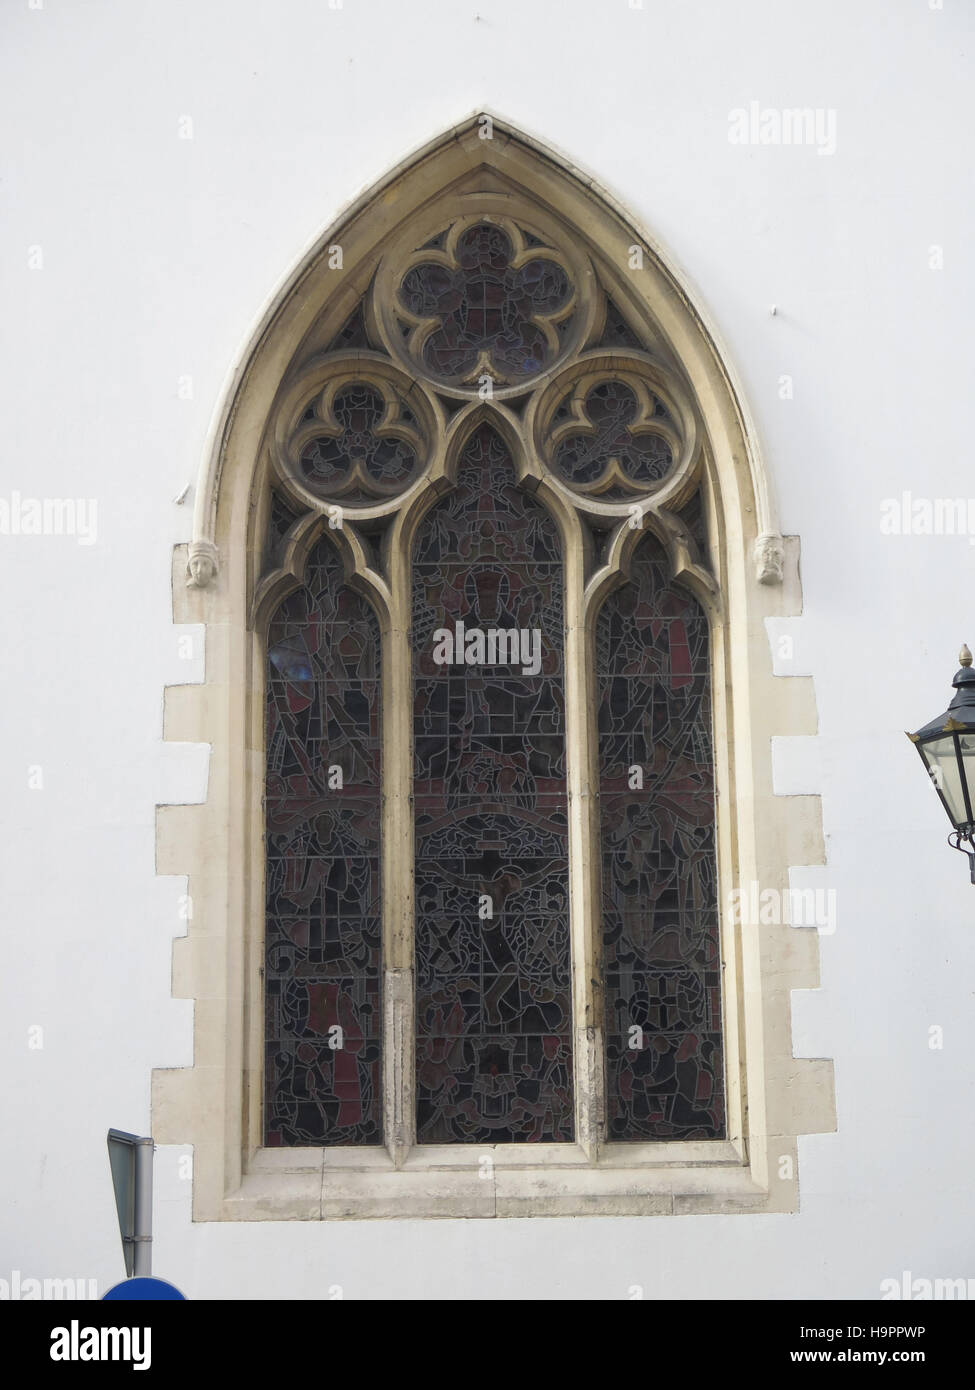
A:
(954, 839)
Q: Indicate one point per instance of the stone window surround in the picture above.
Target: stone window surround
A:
(216, 1104)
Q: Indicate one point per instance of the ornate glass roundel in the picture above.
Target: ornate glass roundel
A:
(486, 308)
(349, 454)
(621, 450)
(352, 431)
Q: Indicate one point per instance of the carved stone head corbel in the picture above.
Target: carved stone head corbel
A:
(769, 558)
(201, 564)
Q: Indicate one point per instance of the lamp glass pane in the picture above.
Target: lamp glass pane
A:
(966, 745)
(945, 772)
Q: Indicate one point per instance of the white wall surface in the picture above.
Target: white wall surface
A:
(159, 254)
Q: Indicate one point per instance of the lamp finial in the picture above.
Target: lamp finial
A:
(965, 656)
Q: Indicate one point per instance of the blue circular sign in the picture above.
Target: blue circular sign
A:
(142, 1289)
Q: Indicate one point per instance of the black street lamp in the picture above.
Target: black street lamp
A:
(947, 748)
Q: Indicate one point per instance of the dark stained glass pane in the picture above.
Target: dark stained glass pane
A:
(281, 519)
(694, 519)
(486, 307)
(661, 946)
(617, 332)
(611, 409)
(492, 941)
(323, 937)
(356, 450)
(353, 333)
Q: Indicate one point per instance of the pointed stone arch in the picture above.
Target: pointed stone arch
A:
(628, 318)
(322, 294)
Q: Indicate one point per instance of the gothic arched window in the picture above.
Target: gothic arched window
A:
(482, 551)
(494, 323)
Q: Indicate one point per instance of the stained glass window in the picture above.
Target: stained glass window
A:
(661, 954)
(322, 795)
(493, 1019)
(478, 928)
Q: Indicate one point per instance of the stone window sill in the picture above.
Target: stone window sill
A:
(483, 1182)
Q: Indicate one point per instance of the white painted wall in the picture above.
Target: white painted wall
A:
(158, 255)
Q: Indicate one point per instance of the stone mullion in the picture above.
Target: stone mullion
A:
(584, 858)
(399, 1118)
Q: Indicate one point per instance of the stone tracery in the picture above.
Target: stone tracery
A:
(486, 312)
